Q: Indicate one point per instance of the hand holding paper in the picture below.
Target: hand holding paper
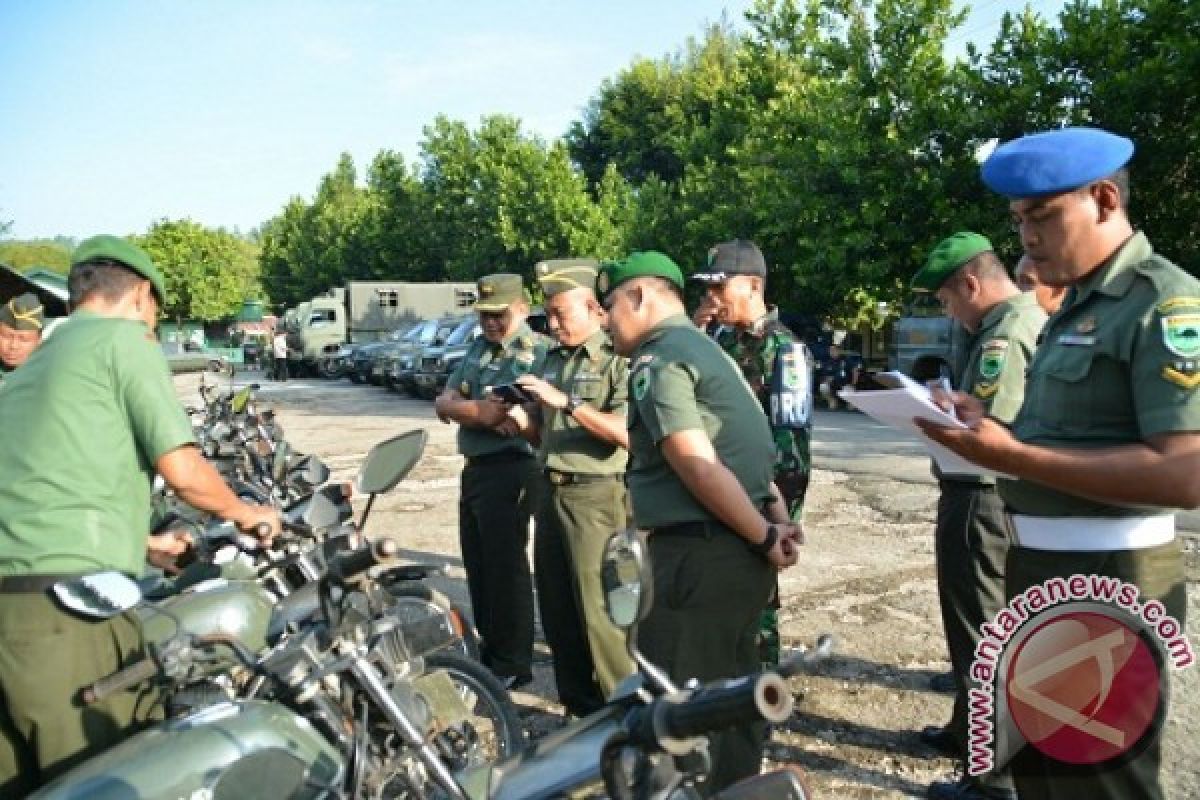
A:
(910, 407)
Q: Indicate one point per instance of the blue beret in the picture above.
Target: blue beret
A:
(1055, 161)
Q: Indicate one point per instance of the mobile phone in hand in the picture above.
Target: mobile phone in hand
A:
(512, 393)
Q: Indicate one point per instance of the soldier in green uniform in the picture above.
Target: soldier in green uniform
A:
(499, 480)
(971, 538)
(21, 323)
(1107, 442)
(87, 420)
(700, 472)
(579, 421)
(759, 343)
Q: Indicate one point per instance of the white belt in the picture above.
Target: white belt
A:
(1093, 533)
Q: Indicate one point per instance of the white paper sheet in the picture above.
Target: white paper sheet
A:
(897, 408)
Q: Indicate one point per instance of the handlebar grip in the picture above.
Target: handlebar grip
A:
(748, 700)
(347, 565)
(122, 679)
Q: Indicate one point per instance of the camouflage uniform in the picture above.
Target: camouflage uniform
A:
(755, 351)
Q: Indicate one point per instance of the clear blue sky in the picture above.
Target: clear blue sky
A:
(120, 112)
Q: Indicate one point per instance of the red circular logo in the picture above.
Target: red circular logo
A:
(1083, 688)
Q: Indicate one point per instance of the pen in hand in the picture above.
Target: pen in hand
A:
(944, 385)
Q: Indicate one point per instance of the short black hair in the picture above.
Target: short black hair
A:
(109, 279)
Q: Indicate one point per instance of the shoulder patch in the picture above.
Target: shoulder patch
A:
(1181, 333)
(640, 383)
(991, 361)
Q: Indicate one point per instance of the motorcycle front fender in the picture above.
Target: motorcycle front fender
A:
(230, 751)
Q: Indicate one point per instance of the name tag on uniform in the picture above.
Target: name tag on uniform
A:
(1076, 340)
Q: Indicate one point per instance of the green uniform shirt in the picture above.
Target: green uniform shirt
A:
(486, 365)
(997, 356)
(679, 379)
(600, 378)
(1119, 363)
(84, 421)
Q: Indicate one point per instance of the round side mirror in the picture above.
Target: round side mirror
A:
(625, 575)
(101, 595)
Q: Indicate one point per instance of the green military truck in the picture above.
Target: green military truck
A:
(925, 342)
(367, 311)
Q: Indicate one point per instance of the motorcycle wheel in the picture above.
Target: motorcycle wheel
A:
(495, 719)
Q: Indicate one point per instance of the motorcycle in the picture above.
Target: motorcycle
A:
(648, 742)
(330, 701)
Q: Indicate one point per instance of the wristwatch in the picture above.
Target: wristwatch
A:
(574, 401)
(764, 547)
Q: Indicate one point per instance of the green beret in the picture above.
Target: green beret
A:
(945, 259)
(123, 251)
(564, 274)
(648, 263)
(23, 313)
(498, 292)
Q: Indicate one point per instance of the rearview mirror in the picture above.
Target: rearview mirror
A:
(101, 595)
(388, 462)
(625, 576)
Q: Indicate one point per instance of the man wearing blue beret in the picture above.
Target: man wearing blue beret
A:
(1104, 449)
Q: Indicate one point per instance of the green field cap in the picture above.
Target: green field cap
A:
(647, 263)
(123, 251)
(563, 274)
(945, 259)
(498, 292)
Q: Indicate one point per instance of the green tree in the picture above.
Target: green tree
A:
(208, 273)
(36, 253)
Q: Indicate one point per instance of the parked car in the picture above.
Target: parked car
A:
(386, 360)
(441, 358)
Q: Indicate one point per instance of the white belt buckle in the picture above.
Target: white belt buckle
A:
(1092, 534)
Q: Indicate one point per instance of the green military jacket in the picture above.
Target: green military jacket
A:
(600, 378)
(84, 420)
(1118, 364)
(486, 365)
(997, 356)
(679, 379)
(754, 350)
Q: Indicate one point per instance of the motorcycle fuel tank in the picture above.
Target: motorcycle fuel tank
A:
(240, 609)
(230, 751)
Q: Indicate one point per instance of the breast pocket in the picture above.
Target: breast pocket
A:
(590, 391)
(1065, 399)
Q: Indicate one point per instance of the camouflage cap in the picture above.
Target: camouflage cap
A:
(23, 313)
(564, 274)
(648, 263)
(123, 251)
(729, 259)
(945, 259)
(498, 292)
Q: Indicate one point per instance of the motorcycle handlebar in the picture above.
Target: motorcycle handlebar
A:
(714, 708)
(345, 566)
(120, 680)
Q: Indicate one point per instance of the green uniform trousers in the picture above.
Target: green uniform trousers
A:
(971, 544)
(574, 522)
(709, 591)
(1159, 573)
(495, 504)
(46, 656)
